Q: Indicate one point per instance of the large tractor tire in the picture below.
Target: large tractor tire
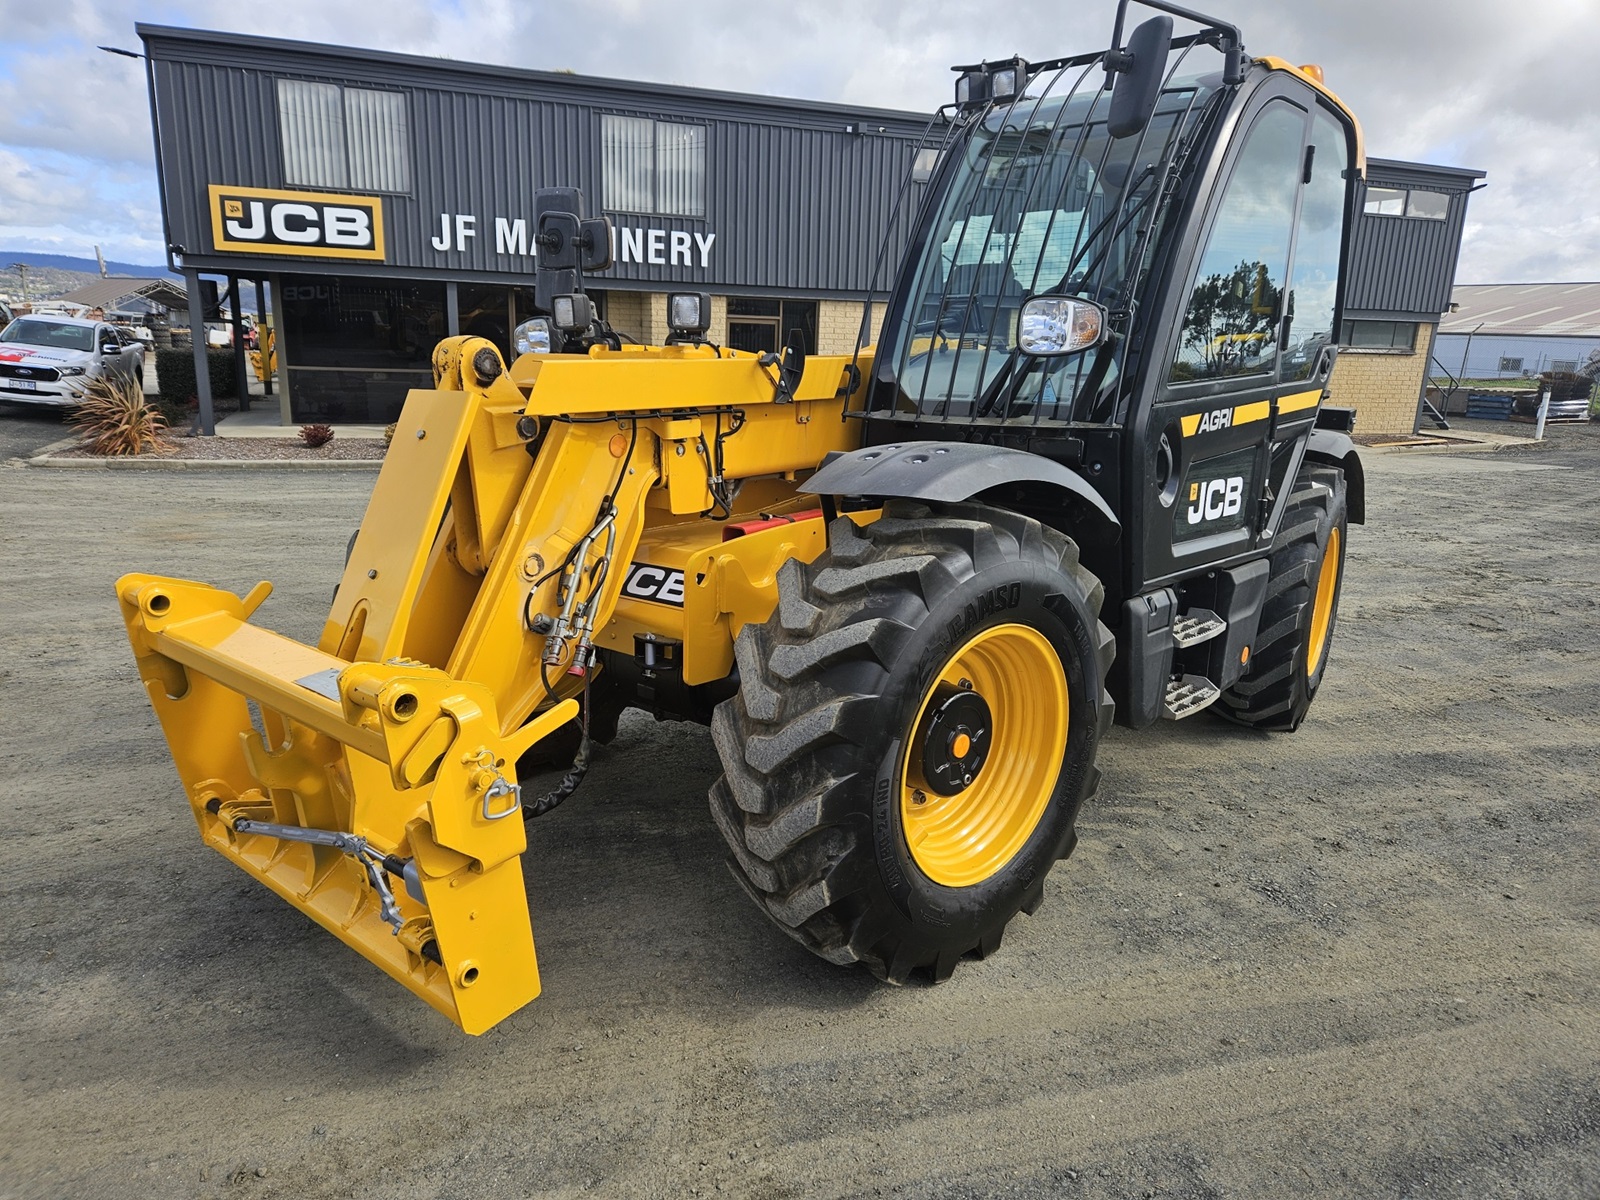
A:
(1301, 609)
(915, 730)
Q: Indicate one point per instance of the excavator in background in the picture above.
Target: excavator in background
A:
(1086, 471)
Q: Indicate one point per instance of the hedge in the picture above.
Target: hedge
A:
(175, 378)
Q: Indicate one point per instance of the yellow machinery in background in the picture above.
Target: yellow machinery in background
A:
(264, 358)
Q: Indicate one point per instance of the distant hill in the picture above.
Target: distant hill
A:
(66, 262)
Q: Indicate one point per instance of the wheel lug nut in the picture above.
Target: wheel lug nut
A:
(918, 796)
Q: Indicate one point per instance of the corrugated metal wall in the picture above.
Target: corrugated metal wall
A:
(1406, 266)
(793, 201)
(1487, 350)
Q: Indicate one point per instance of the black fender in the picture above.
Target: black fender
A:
(949, 472)
(1337, 450)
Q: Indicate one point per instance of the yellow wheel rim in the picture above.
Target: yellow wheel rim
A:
(963, 839)
(1322, 605)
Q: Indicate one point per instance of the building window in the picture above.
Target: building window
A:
(1408, 202)
(339, 137)
(1380, 335)
(653, 166)
(1511, 364)
(1569, 365)
(759, 325)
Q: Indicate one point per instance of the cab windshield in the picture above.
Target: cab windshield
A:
(1042, 202)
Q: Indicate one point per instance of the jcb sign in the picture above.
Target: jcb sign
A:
(296, 224)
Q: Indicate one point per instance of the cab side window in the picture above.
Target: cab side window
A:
(1235, 311)
(1315, 283)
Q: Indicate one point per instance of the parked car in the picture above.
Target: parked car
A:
(49, 359)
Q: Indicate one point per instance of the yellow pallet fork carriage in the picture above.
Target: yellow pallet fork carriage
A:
(906, 588)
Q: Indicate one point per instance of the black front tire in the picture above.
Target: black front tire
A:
(830, 686)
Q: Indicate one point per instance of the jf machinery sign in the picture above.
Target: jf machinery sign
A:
(338, 225)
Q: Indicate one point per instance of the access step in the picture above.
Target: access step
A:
(1188, 695)
(1196, 626)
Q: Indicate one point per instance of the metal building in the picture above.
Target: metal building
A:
(388, 200)
(1402, 268)
(1519, 330)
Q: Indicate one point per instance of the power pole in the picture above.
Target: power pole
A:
(22, 270)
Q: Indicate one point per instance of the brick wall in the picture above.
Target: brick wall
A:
(1382, 386)
(839, 322)
(643, 315)
(629, 313)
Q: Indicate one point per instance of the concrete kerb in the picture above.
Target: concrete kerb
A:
(207, 464)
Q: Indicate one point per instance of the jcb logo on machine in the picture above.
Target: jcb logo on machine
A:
(661, 584)
(296, 224)
(1215, 499)
(1222, 418)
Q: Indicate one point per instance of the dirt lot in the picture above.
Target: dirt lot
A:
(1362, 960)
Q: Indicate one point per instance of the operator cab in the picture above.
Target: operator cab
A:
(1131, 264)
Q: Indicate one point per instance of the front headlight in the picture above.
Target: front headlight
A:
(532, 337)
(1052, 325)
(65, 371)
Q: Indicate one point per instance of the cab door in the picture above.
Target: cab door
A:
(1253, 341)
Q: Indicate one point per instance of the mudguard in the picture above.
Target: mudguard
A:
(948, 472)
(1337, 450)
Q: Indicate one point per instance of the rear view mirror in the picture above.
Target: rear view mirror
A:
(1139, 71)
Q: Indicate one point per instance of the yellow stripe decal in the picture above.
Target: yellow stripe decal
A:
(1291, 404)
(1191, 424)
(1259, 411)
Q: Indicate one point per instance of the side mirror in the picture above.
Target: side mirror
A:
(110, 347)
(594, 241)
(1139, 71)
(1051, 326)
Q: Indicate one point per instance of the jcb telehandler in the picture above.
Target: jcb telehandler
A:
(1085, 469)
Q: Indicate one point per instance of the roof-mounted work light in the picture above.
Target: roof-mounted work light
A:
(1001, 82)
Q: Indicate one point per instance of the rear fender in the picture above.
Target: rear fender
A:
(1337, 450)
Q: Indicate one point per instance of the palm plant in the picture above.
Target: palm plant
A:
(116, 421)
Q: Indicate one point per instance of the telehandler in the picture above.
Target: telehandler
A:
(1085, 469)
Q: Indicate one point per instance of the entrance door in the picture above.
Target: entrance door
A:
(1254, 350)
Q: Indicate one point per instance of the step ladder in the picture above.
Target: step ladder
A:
(1188, 695)
(1196, 626)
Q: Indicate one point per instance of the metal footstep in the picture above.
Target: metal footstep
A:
(1196, 626)
(1188, 695)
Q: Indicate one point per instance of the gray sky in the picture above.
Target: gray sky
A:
(1507, 88)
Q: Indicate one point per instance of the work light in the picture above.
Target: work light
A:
(573, 312)
(1007, 82)
(972, 88)
(689, 312)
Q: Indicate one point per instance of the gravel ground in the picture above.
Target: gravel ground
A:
(1359, 961)
(239, 449)
(25, 430)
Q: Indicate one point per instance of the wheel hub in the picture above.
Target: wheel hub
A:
(956, 742)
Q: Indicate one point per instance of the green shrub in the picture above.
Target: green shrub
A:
(175, 378)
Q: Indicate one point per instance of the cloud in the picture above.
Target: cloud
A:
(1463, 82)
